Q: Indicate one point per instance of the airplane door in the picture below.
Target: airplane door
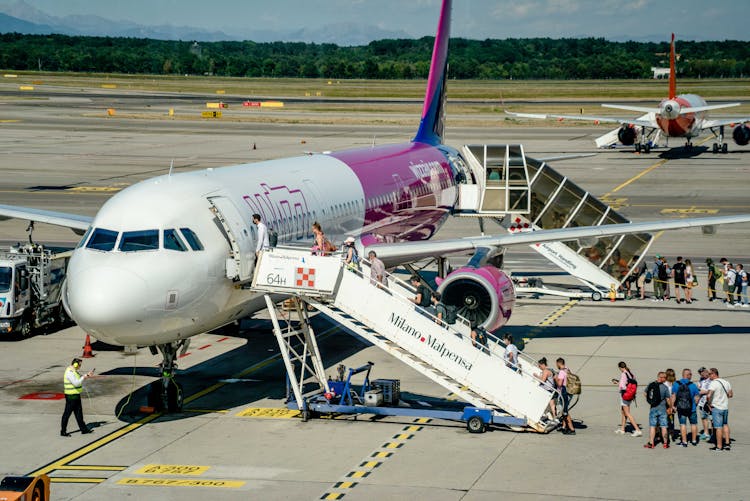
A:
(241, 263)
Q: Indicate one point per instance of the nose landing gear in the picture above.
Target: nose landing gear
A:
(166, 393)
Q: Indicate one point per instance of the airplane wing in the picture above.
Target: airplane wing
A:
(76, 222)
(710, 124)
(395, 253)
(683, 111)
(644, 121)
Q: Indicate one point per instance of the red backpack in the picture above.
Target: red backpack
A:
(631, 389)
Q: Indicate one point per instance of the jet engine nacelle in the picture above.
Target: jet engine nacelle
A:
(741, 134)
(627, 135)
(485, 296)
(670, 109)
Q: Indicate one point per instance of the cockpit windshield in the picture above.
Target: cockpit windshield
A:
(103, 240)
(6, 276)
(172, 241)
(192, 239)
(85, 237)
(142, 240)
(134, 241)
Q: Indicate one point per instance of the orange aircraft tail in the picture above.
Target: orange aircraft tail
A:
(672, 80)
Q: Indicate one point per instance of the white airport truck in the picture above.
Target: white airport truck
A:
(31, 280)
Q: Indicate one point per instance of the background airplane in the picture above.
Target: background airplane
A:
(164, 259)
(677, 116)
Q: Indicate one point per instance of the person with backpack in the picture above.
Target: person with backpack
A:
(628, 387)
(661, 277)
(657, 396)
(351, 256)
(423, 293)
(547, 378)
(561, 379)
(685, 395)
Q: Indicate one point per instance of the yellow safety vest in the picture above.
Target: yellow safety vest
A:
(70, 388)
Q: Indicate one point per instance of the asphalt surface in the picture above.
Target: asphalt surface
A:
(62, 153)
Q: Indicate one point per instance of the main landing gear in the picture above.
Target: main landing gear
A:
(720, 145)
(166, 393)
(645, 147)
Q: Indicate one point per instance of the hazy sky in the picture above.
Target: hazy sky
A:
(616, 19)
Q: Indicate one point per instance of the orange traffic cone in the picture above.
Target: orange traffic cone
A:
(87, 351)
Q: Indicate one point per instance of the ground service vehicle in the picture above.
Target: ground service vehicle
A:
(31, 279)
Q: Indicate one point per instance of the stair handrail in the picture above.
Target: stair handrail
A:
(523, 369)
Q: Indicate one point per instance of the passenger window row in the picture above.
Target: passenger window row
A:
(144, 240)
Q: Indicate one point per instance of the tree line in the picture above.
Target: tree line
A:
(530, 58)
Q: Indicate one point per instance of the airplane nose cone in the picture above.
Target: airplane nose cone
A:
(106, 300)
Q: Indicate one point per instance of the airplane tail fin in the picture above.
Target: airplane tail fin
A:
(433, 112)
(672, 78)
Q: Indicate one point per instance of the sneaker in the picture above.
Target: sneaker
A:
(726, 448)
(620, 431)
(694, 443)
(637, 433)
(717, 449)
(651, 446)
(666, 446)
(682, 444)
(704, 437)
(730, 305)
(745, 305)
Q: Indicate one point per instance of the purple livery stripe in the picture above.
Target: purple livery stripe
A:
(403, 185)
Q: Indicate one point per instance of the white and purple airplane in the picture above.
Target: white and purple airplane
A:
(151, 268)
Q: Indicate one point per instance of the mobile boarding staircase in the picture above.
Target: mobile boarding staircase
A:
(501, 183)
(384, 316)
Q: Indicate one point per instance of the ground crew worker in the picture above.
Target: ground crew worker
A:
(73, 384)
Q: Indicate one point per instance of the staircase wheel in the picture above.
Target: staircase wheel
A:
(476, 425)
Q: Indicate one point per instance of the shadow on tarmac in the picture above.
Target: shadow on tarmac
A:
(267, 382)
(520, 331)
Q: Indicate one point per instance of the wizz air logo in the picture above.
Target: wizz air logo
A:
(284, 209)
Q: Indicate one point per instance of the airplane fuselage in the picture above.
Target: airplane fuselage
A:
(674, 124)
(139, 278)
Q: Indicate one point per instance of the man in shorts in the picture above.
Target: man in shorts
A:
(657, 416)
(703, 385)
(678, 274)
(719, 393)
(685, 395)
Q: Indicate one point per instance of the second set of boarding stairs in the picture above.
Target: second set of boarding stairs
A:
(500, 182)
(384, 316)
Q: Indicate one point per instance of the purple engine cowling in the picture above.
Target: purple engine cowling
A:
(741, 134)
(485, 296)
(627, 135)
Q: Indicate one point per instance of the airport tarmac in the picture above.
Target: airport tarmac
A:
(227, 446)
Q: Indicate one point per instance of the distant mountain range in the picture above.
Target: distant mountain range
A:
(20, 17)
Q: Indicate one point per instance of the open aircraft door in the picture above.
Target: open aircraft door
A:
(241, 236)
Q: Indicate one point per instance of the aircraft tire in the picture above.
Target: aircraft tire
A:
(724, 148)
(647, 148)
(715, 148)
(174, 397)
(638, 147)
